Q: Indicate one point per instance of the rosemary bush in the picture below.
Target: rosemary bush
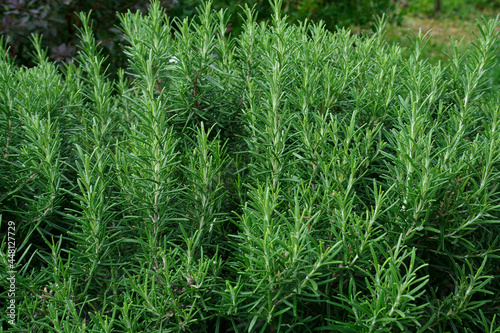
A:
(287, 180)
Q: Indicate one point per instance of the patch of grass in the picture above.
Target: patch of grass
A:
(440, 28)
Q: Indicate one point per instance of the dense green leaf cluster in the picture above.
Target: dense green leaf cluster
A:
(289, 179)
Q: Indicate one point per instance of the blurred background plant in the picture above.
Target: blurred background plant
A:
(58, 21)
(463, 8)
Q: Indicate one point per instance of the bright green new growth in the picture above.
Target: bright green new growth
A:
(288, 180)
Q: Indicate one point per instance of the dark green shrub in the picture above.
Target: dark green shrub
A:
(287, 180)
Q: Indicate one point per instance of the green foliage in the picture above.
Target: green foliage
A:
(462, 8)
(59, 21)
(288, 179)
(335, 13)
